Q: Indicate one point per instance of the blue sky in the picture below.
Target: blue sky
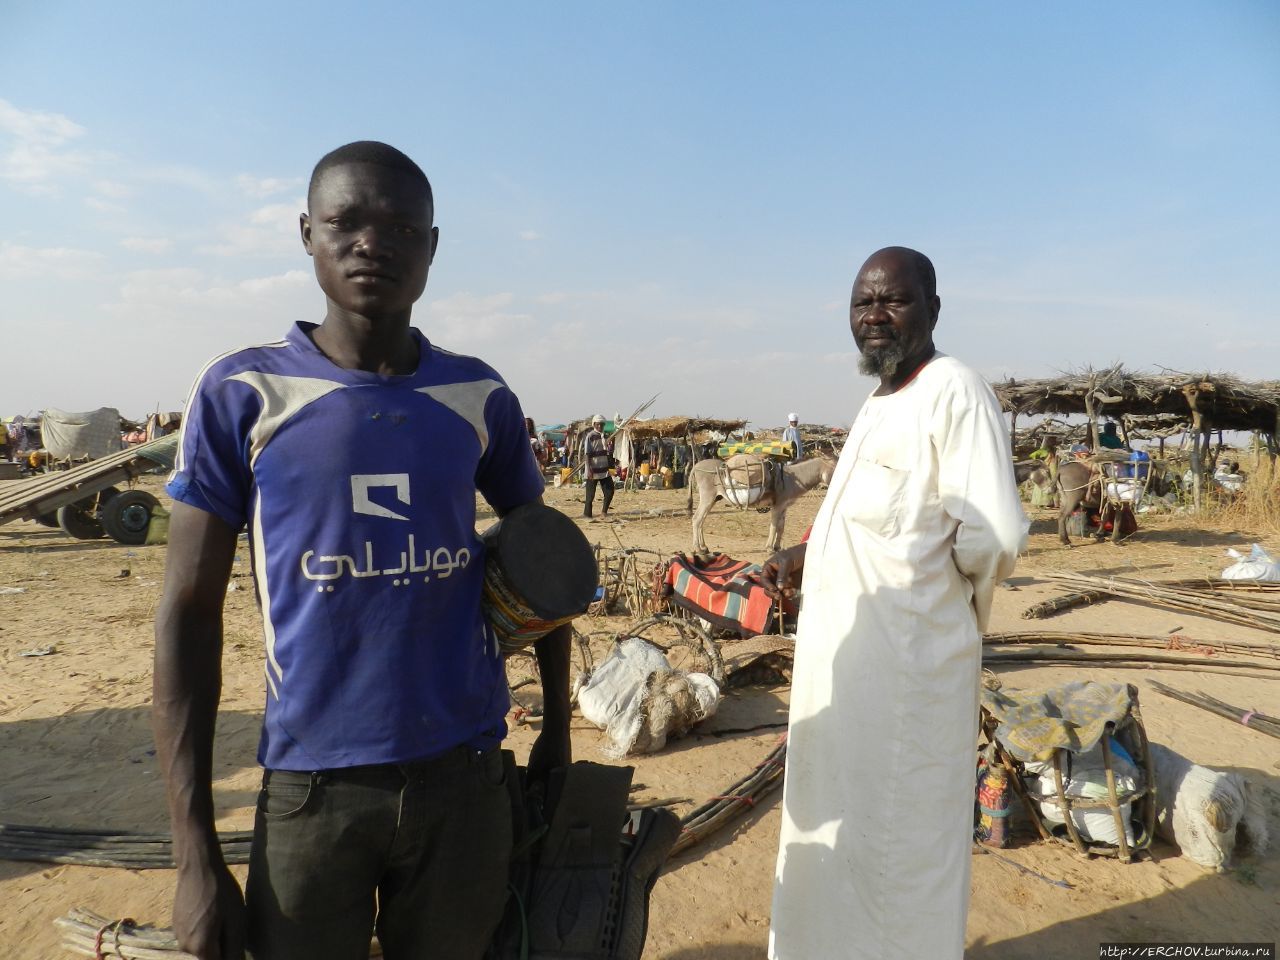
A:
(655, 197)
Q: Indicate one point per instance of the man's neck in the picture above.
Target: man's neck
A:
(383, 345)
(904, 372)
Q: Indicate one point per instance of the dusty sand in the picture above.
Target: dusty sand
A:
(75, 748)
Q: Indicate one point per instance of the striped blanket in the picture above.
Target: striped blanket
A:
(717, 589)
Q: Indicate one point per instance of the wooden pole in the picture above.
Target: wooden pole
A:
(1192, 393)
(1092, 413)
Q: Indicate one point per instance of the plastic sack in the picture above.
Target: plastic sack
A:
(640, 701)
(1257, 566)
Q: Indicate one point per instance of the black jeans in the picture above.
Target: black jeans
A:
(606, 491)
(421, 850)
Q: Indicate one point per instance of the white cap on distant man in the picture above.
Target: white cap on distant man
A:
(598, 418)
(792, 418)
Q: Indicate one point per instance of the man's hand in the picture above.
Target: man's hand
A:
(208, 913)
(552, 748)
(780, 574)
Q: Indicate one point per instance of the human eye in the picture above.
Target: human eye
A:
(339, 223)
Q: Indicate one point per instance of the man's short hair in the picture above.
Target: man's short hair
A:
(369, 151)
(924, 267)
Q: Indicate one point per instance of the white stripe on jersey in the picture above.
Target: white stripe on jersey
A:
(264, 593)
(180, 462)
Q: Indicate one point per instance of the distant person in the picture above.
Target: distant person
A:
(919, 524)
(1229, 477)
(1048, 449)
(383, 802)
(536, 443)
(1109, 439)
(792, 435)
(595, 466)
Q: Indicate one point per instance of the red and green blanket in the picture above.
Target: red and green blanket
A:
(717, 589)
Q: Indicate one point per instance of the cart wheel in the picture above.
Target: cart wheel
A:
(126, 516)
(78, 520)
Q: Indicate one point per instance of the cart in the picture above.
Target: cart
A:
(85, 501)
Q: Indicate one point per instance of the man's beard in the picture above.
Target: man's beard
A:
(882, 361)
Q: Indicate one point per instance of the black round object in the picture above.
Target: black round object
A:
(78, 520)
(126, 516)
(544, 560)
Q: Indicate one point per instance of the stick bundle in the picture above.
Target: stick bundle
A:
(1254, 605)
(1254, 721)
(133, 851)
(732, 803)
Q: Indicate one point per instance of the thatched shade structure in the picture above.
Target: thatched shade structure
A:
(680, 427)
(1159, 401)
(1223, 401)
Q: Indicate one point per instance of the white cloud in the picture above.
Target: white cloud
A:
(555, 296)
(27, 263)
(262, 187)
(270, 230)
(530, 235)
(113, 189)
(103, 206)
(464, 319)
(36, 150)
(147, 244)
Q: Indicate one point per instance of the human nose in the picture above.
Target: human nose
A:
(370, 243)
(875, 315)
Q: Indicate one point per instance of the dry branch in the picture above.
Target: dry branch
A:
(1254, 721)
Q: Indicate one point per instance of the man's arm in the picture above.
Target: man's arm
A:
(208, 908)
(552, 748)
(977, 488)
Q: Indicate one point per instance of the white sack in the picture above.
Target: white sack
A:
(1258, 566)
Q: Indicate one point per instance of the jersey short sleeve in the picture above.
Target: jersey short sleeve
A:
(508, 474)
(212, 470)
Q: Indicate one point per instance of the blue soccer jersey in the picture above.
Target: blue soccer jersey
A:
(359, 494)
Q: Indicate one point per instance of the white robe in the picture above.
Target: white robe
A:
(921, 520)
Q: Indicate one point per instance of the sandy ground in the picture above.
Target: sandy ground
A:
(76, 751)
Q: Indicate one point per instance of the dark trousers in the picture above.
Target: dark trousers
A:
(606, 491)
(419, 850)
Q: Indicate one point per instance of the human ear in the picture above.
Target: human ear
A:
(304, 227)
(435, 240)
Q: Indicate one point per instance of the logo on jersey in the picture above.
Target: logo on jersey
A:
(362, 483)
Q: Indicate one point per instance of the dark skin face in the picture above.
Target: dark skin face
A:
(889, 308)
(370, 233)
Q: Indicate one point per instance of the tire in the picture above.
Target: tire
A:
(127, 516)
(77, 520)
(81, 519)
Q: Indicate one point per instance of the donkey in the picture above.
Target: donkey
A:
(791, 481)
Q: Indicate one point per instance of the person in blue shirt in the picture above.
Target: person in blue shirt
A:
(384, 802)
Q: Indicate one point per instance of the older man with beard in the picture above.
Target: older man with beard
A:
(920, 522)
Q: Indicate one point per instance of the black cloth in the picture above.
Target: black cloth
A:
(606, 488)
(422, 847)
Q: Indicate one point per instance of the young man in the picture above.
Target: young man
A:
(920, 522)
(383, 798)
(596, 460)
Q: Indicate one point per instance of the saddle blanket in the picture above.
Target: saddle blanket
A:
(764, 448)
(717, 589)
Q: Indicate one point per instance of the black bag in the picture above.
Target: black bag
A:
(579, 885)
